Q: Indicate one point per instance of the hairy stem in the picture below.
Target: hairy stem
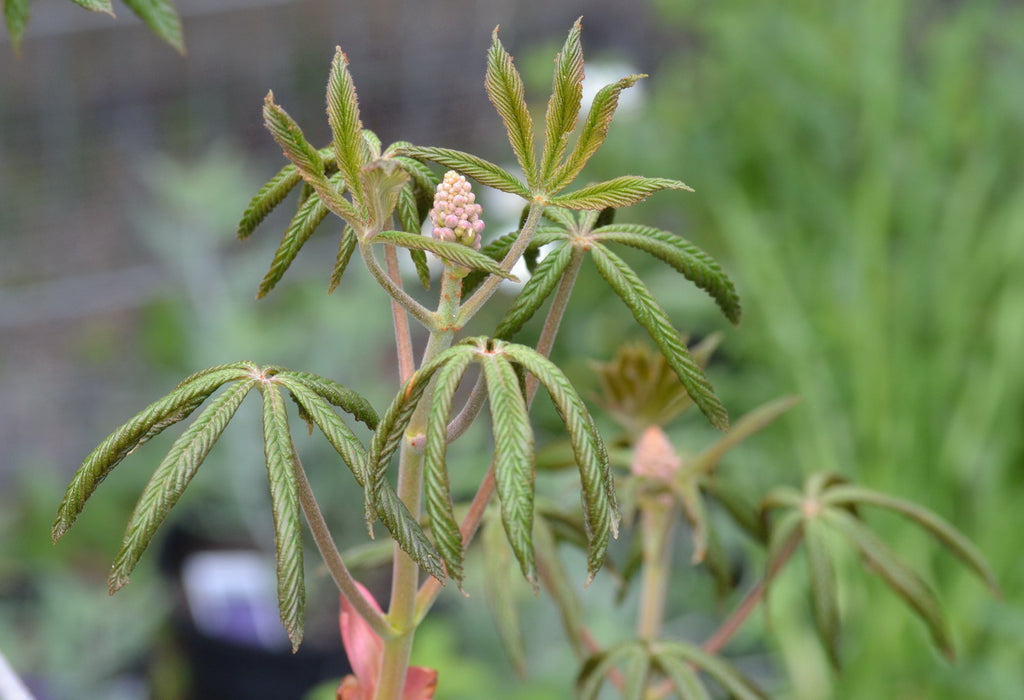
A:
(403, 338)
(332, 558)
(399, 295)
(405, 572)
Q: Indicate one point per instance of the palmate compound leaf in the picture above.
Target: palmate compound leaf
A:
(598, 493)
(684, 679)
(172, 476)
(902, 579)
(596, 667)
(161, 414)
(162, 18)
(504, 87)
(696, 265)
(514, 470)
(282, 464)
(947, 535)
(564, 104)
(498, 248)
(625, 283)
(436, 488)
(336, 394)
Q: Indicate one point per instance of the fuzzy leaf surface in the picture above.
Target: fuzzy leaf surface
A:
(696, 265)
(151, 421)
(317, 408)
(625, 283)
(504, 87)
(564, 104)
(346, 127)
(436, 482)
(346, 247)
(598, 493)
(171, 478)
(284, 500)
(267, 198)
(311, 214)
(593, 133)
(616, 193)
(162, 18)
(453, 252)
(483, 171)
(293, 142)
(513, 459)
(537, 289)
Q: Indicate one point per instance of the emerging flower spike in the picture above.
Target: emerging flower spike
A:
(456, 216)
(365, 651)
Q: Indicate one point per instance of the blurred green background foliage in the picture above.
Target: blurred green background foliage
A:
(859, 169)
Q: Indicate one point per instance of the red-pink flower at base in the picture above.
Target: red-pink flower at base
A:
(365, 651)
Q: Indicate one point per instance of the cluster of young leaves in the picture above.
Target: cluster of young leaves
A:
(159, 15)
(829, 506)
(676, 662)
(370, 189)
(503, 366)
(315, 397)
(557, 166)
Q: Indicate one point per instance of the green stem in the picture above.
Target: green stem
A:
(405, 573)
(657, 518)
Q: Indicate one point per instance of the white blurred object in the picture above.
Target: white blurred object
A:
(231, 594)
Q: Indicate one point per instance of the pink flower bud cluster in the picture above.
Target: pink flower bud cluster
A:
(455, 215)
